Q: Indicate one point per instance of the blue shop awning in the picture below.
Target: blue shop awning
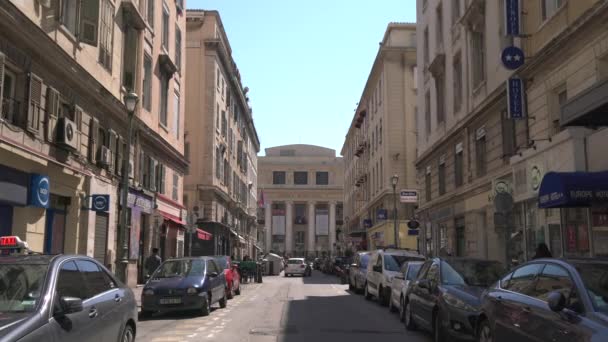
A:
(573, 189)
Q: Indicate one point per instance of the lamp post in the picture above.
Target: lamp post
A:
(394, 181)
(130, 101)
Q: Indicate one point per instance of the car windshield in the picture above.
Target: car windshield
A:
(20, 287)
(180, 268)
(413, 271)
(295, 261)
(394, 262)
(221, 262)
(595, 278)
(470, 272)
(364, 260)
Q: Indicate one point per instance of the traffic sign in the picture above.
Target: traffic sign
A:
(512, 57)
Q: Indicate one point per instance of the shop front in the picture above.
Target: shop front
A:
(141, 239)
(171, 226)
(209, 238)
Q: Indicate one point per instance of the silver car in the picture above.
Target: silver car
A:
(400, 283)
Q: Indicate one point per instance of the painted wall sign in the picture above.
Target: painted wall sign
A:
(516, 98)
(100, 202)
(512, 57)
(40, 191)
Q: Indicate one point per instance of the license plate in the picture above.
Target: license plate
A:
(170, 300)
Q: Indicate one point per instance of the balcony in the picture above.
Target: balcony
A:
(133, 17)
(360, 117)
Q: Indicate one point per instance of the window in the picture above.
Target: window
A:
(440, 98)
(218, 163)
(553, 278)
(164, 94)
(455, 11)
(129, 58)
(458, 167)
(160, 178)
(381, 174)
(94, 280)
(558, 99)
(69, 283)
(427, 184)
(69, 14)
(549, 7)
(439, 27)
(427, 113)
(165, 37)
(187, 151)
(480, 155)
(10, 105)
(426, 46)
(178, 47)
(174, 193)
(227, 173)
(217, 117)
(433, 275)
(380, 133)
(147, 83)
(81, 18)
(457, 70)
(322, 178)
(441, 175)
(300, 178)
(176, 118)
(522, 280)
(106, 34)
(150, 13)
(603, 67)
(278, 177)
(224, 124)
(300, 213)
(509, 145)
(478, 58)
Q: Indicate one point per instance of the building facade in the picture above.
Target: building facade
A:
(64, 70)
(221, 144)
(381, 143)
(470, 152)
(301, 192)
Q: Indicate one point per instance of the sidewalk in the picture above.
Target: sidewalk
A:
(137, 292)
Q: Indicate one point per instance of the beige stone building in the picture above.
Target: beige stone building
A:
(381, 142)
(301, 189)
(468, 148)
(64, 69)
(221, 144)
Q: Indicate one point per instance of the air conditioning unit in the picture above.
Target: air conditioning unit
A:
(67, 134)
(105, 157)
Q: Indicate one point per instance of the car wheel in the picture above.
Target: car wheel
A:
(408, 319)
(368, 295)
(128, 335)
(437, 329)
(206, 307)
(401, 310)
(223, 302)
(485, 333)
(238, 290)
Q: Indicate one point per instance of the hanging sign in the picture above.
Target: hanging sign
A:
(40, 192)
(516, 98)
(512, 57)
(512, 17)
(100, 202)
(408, 196)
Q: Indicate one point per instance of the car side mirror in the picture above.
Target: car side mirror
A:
(556, 301)
(70, 305)
(377, 268)
(212, 274)
(424, 284)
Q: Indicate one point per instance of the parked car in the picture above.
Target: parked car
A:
(185, 284)
(233, 277)
(445, 298)
(357, 271)
(296, 266)
(383, 266)
(400, 285)
(548, 300)
(59, 298)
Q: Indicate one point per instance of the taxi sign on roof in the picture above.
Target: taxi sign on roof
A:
(12, 244)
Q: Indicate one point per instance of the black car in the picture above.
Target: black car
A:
(59, 298)
(548, 300)
(445, 298)
(185, 284)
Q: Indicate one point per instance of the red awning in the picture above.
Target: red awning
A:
(172, 218)
(203, 235)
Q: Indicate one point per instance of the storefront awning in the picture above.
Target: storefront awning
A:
(203, 235)
(573, 189)
(172, 218)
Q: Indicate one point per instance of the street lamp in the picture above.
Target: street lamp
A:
(394, 181)
(130, 101)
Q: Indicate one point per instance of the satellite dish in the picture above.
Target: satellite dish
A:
(503, 202)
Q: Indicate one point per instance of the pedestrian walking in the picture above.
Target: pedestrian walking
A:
(542, 251)
(153, 261)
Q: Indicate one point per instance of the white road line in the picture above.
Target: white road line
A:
(210, 336)
(192, 336)
(201, 329)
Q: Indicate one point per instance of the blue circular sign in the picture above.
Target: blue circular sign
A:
(43, 192)
(512, 57)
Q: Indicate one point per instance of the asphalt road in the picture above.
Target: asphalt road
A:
(295, 309)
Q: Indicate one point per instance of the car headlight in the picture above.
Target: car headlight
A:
(148, 292)
(458, 303)
(191, 291)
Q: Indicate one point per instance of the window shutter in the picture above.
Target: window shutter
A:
(78, 121)
(93, 140)
(1, 80)
(52, 112)
(35, 100)
(142, 169)
(161, 182)
(120, 155)
(152, 181)
(89, 20)
(111, 139)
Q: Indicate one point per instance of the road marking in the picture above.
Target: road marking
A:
(193, 335)
(210, 336)
(166, 339)
(201, 329)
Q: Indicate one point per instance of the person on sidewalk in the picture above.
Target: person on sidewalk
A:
(152, 262)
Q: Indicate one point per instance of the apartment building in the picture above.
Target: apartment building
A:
(381, 143)
(221, 144)
(470, 150)
(301, 189)
(65, 67)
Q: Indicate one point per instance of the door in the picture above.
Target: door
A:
(101, 237)
(106, 298)
(6, 220)
(374, 276)
(54, 231)
(416, 291)
(78, 326)
(426, 297)
(216, 286)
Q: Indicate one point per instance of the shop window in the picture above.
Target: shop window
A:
(576, 232)
(600, 231)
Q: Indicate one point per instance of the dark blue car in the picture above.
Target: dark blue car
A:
(184, 284)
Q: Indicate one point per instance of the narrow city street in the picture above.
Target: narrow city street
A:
(282, 309)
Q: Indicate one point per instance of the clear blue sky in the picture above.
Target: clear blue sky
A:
(305, 62)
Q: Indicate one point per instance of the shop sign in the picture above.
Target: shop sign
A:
(408, 196)
(382, 214)
(367, 223)
(516, 98)
(100, 202)
(145, 204)
(512, 57)
(40, 192)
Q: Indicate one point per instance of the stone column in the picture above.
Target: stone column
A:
(311, 246)
(332, 227)
(289, 228)
(268, 226)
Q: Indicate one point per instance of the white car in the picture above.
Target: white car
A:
(382, 267)
(296, 266)
(400, 284)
